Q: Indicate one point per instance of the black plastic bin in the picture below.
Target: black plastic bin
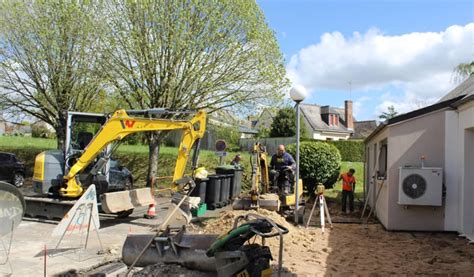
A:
(236, 180)
(200, 189)
(225, 189)
(213, 190)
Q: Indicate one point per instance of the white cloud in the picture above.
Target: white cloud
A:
(358, 105)
(420, 64)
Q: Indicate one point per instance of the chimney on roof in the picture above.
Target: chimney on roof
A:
(348, 114)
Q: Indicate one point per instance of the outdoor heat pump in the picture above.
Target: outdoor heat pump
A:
(421, 186)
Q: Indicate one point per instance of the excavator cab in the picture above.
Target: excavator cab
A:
(80, 130)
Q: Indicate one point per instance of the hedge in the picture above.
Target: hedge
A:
(351, 150)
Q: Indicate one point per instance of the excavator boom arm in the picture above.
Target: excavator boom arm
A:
(121, 125)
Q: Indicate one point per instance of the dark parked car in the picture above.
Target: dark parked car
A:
(11, 170)
(120, 177)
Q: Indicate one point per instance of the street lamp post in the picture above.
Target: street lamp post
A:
(298, 94)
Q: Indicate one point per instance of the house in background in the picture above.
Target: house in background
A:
(323, 122)
(328, 123)
(218, 119)
(362, 129)
(14, 128)
(228, 119)
(246, 132)
(265, 120)
(434, 194)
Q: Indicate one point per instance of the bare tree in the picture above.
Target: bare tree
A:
(390, 113)
(192, 55)
(49, 56)
(463, 70)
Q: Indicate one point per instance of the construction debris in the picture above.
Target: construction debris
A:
(171, 270)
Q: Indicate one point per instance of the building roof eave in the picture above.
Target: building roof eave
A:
(463, 101)
(416, 113)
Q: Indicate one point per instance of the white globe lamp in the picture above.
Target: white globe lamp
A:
(298, 93)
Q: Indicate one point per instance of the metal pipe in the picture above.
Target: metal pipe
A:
(297, 198)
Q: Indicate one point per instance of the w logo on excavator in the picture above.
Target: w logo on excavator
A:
(127, 123)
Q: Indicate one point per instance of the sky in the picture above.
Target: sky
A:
(375, 53)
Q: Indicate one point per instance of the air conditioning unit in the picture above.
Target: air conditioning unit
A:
(420, 186)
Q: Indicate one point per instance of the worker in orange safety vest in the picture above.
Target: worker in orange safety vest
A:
(348, 187)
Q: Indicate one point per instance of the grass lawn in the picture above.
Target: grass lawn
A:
(359, 175)
(135, 157)
(19, 142)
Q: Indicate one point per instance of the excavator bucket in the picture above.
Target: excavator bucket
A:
(230, 254)
(269, 201)
(183, 214)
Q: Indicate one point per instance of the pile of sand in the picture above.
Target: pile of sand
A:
(348, 249)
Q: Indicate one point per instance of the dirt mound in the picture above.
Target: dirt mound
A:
(226, 219)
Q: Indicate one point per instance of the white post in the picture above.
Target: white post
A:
(321, 211)
(297, 196)
(297, 93)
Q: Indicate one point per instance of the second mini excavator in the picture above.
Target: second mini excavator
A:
(266, 193)
(61, 178)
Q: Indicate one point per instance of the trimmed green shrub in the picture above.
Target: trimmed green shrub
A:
(319, 163)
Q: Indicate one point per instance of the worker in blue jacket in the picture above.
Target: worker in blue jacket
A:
(282, 167)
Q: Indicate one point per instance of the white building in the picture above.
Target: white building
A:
(443, 133)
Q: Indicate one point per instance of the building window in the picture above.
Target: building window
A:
(382, 168)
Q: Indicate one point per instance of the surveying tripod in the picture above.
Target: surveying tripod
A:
(323, 208)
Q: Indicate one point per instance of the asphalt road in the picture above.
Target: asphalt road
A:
(27, 257)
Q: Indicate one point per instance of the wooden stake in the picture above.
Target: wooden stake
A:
(45, 255)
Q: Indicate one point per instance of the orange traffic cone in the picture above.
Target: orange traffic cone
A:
(151, 213)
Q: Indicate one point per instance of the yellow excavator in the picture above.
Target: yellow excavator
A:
(268, 194)
(61, 178)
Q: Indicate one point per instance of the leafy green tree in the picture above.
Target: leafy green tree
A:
(263, 133)
(49, 59)
(284, 124)
(191, 55)
(390, 113)
(231, 136)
